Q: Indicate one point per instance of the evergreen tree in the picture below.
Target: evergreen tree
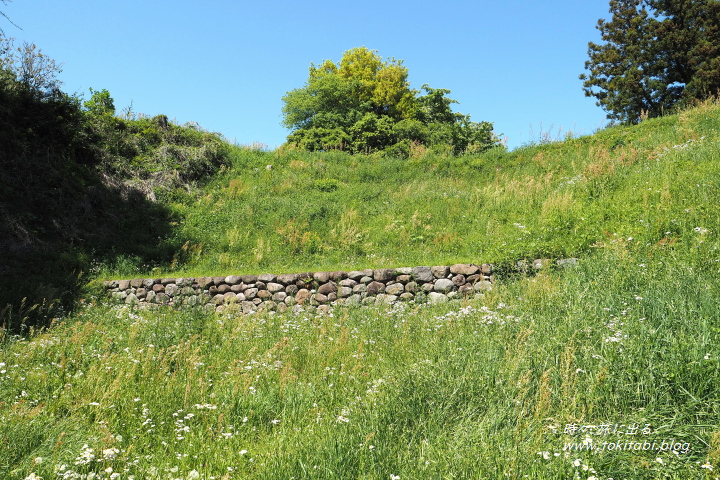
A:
(656, 53)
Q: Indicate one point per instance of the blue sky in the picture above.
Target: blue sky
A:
(227, 64)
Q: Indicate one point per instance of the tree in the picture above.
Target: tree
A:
(364, 104)
(656, 53)
(5, 2)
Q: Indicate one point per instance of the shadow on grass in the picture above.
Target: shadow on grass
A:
(58, 219)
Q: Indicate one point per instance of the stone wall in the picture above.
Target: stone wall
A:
(249, 293)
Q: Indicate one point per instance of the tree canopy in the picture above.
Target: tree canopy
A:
(364, 104)
(657, 53)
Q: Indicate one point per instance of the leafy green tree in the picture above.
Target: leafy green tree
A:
(364, 104)
(655, 54)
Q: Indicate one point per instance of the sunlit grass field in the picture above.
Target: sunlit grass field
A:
(608, 369)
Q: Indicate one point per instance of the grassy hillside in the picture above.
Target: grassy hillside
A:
(648, 187)
(620, 354)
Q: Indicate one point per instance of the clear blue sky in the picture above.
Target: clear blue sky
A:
(227, 64)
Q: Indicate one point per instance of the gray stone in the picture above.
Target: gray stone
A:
(229, 297)
(374, 288)
(216, 280)
(249, 279)
(287, 278)
(140, 293)
(440, 271)
(360, 288)
(238, 288)
(264, 294)
(427, 287)
(279, 296)
(157, 288)
(289, 300)
(347, 282)
(383, 274)
(403, 278)
(291, 289)
(302, 296)
(403, 271)
(233, 279)
(161, 298)
(386, 299)
(338, 275)
(223, 288)
(344, 292)
(366, 279)
(483, 285)
(167, 281)
(407, 296)
(148, 283)
(267, 277)
(458, 279)
(394, 289)
(355, 275)
(319, 298)
(327, 288)
(150, 297)
(275, 287)
(267, 306)
(422, 274)
(136, 282)
(436, 298)
(567, 262)
(444, 285)
(248, 307)
(205, 282)
(171, 289)
(464, 269)
(321, 277)
(353, 299)
(332, 296)
(123, 284)
(411, 287)
(131, 299)
(250, 293)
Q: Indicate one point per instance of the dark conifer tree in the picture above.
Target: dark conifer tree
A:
(655, 54)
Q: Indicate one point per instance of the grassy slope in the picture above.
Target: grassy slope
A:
(334, 211)
(630, 336)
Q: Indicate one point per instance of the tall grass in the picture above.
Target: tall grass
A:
(619, 353)
(295, 211)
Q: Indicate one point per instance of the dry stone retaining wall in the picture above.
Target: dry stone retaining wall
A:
(250, 293)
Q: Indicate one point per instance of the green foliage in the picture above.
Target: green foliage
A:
(100, 103)
(656, 53)
(365, 105)
(79, 186)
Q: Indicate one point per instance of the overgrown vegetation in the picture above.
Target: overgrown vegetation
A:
(608, 369)
(619, 353)
(79, 185)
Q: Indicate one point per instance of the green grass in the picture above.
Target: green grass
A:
(628, 340)
(654, 182)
